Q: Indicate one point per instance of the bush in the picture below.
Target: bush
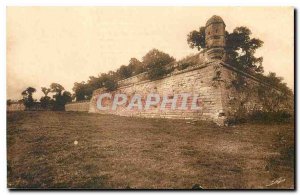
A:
(184, 66)
(157, 72)
(270, 117)
(188, 61)
(262, 117)
(110, 84)
(156, 61)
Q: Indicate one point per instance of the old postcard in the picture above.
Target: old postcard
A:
(194, 98)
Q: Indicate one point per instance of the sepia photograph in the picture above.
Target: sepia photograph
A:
(150, 98)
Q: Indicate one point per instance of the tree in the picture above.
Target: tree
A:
(84, 90)
(136, 66)
(155, 62)
(46, 91)
(80, 91)
(67, 97)
(56, 88)
(240, 48)
(124, 72)
(133, 68)
(109, 81)
(272, 98)
(95, 82)
(28, 100)
(61, 97)
(45, 100)
(8, 102)
(274, 80)
(197, 39)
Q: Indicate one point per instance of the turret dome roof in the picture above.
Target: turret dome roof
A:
(214, 19)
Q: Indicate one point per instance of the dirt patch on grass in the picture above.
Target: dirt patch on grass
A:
(121, 152)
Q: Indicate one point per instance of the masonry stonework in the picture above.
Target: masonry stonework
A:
(196, 82)
(15, 106)
(210, 79)
(257, 95)
(82, 106)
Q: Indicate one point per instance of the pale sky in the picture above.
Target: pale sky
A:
(69, 44)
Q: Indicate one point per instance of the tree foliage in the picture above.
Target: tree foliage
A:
(155, 62)
(136, 66)
(133, 68)
(28, 100)
(196, 39)
(8, 102)
(277, 81)
(60, 97)
(240, 48)
(188, 61)
(81, 91)
(45, 100)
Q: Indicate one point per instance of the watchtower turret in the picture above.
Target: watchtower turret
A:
(215, 37)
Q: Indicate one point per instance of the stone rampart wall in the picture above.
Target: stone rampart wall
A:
(197, 81)
(82, 106)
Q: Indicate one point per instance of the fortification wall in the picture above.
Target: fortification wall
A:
(212, 82)
(232, 98)
(82, 106)
(197, 81)
(255, 95)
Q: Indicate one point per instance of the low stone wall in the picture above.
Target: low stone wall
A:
(82, 106)
(15, 107)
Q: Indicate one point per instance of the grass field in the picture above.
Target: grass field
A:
(120, 152)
